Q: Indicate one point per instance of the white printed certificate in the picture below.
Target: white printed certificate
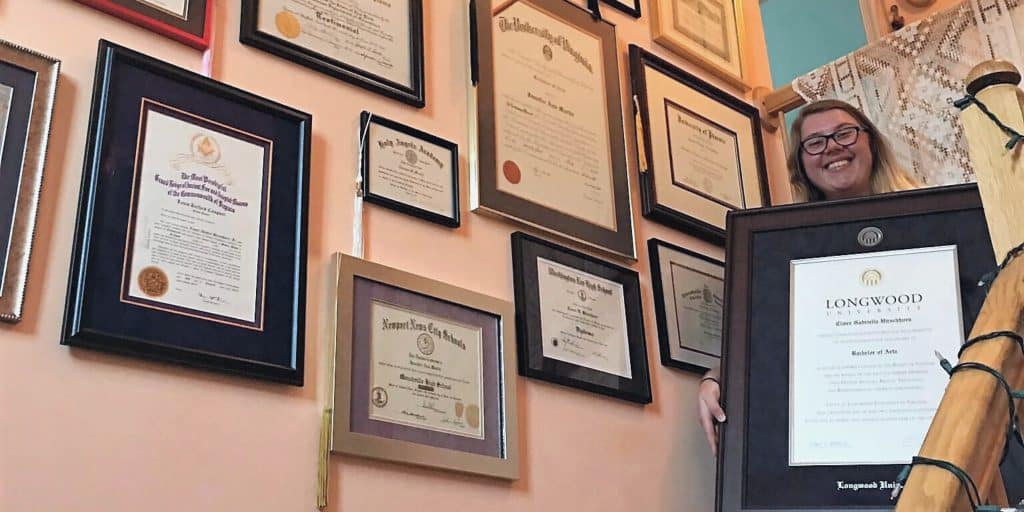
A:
(426, 372)
(864, 380)
(198, 222)
(583, 319)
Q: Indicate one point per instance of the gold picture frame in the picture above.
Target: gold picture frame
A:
(405, 417)
(707, 32)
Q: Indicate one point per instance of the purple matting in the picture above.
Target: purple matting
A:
(364, 292)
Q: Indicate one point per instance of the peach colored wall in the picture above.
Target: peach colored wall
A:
(86, 431)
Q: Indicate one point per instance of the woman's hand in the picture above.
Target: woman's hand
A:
(709, 410)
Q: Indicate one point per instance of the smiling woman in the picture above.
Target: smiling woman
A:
(836, 152)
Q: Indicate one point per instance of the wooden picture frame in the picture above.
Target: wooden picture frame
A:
(701, 151)
(424, 372)
(293, 30)
(548, 155)
(707, 32)
(28, 85)
(579, 320)
(172, 249)
(408, 170)
(185, 21)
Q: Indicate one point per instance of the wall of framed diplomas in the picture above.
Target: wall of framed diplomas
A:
(177, 354)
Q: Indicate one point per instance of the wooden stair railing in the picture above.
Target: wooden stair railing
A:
(969, 428)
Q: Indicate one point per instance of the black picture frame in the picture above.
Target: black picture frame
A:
(665, 198)
(502, 188)
(676, 351)
(97, 314)
(370, 148)
(753, 471)
(412, 94)
(526, 250)
(630, 7)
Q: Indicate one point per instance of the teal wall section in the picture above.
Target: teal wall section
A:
(802, 35)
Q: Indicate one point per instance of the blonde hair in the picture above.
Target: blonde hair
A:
(886, 174)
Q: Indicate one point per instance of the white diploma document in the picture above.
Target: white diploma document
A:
(178, 8)
(551, 119)
(425, 372)
(864, 379)
(583, 319)
(199, 213)
(410, 170)
(372, 35)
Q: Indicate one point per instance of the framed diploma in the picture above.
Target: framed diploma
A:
(409, 170)
(547, 133)
(579, 320)
(186, 21)
(689, 291)
(833, 313)
(708, 32)
(191, 235)
(701, 154)
(28, 82)
(375, 45)
(424, 372)
(630, 7)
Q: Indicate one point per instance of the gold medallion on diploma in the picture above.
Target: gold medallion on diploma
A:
(153, 281)
(287, 24)
(511, 171)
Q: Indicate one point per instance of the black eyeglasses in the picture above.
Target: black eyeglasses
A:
(845, 137)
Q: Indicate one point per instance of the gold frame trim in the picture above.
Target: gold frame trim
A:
(343, 440)
(662, 33)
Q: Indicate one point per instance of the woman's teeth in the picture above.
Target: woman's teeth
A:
(837, 165)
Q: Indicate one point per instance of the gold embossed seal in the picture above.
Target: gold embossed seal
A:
(287, 24)
(153, 281)
(473, 415)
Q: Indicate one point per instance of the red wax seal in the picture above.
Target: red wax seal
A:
(512, 173)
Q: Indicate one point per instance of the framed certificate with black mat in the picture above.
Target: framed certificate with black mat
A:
(579, 320)
(834, 312)
(191, 238)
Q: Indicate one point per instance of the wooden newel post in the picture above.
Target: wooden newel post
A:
(1000, 171)
(969, 429)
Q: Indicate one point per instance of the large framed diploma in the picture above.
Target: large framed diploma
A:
(186, 21)
(409, 170)
(700, 149)
(580, 320)
(548, 134)
(424, 372)
(28, 83)
(834, 312)
(191, 237)
(708, 32)
(689, 299)
(376, 45)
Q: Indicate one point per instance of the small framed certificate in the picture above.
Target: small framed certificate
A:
(424, 372)
(192, 191)
(630, 7)
(375, 45)
(689, 299)
(28, 83)
(548, 128)
(186, 21)
(409, 170)
(708, 32)
(579, 320)
(700, 149)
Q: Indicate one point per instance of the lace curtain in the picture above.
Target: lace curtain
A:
(907, 81)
